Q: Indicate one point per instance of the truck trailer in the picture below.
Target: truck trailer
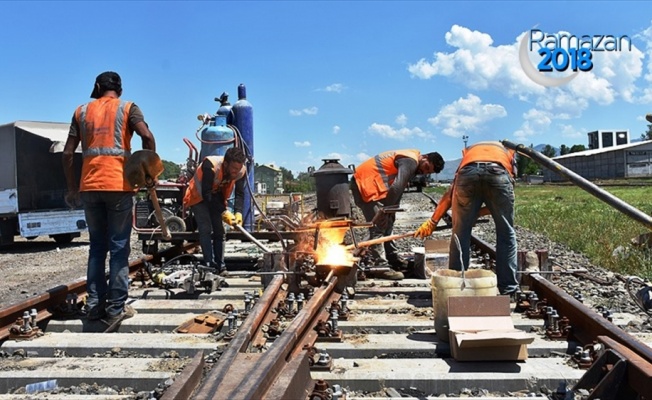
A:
(33, 184)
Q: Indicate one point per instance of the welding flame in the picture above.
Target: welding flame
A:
(331, 251)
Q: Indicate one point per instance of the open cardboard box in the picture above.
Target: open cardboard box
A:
(481, 329)
(431, 257)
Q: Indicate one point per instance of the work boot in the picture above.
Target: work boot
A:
(390, 275)
(112, 321)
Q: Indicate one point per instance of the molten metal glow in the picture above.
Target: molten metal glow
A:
(331, 252)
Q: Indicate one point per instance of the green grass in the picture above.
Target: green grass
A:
(569, 215)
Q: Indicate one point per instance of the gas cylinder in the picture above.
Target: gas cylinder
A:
(332, 182)
(216, 138)
(225, 108)
(243, 120)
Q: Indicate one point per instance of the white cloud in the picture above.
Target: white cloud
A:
(304, 111)
(362, 157)
(535, 122)
(401, 120)
(336, 129)
(466, 115)
(335, 88)
(401, 134)
(570, 132)
(302, 144)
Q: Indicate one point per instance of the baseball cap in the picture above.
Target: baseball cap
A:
(108, 80)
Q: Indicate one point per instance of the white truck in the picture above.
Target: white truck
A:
(33, 185)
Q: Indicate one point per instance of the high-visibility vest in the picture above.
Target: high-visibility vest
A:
(490, 152)
(193, 192)
(106, 144)
(376, 175)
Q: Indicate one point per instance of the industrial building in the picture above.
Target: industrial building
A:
(611, 155)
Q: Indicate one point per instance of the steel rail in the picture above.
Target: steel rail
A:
(59, 294)
(257, 372)
(586, 323)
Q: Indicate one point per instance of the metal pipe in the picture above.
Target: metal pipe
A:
(596, 191)
(250, 237)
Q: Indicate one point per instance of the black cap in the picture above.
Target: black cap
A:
(108, 80)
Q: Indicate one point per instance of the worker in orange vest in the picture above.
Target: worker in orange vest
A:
(485, 175)
(104, 127)
(207, 196)
(380, 182)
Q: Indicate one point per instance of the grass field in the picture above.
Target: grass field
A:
(568, 214)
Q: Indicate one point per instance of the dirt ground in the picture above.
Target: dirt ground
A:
(31, 267)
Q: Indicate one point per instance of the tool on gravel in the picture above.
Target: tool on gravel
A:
(142, 169)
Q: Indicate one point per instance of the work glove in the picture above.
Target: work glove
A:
(228, 217)
(426, 229)
(238, 218)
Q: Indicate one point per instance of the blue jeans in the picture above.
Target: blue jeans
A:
(492, 186)
(109, 220)
(208, 217)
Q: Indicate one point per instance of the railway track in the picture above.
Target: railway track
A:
(346, 338)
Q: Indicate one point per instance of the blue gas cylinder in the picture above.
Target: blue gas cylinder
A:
(243, 120)
(216, 138)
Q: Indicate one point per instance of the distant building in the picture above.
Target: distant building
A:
(269, 179)
(610, 161)
(608, 138)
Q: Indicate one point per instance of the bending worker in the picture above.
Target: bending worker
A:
(485, 175)
(380, 182)
(207, 196)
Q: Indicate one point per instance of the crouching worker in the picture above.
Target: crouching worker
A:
(207, 196)
(485, 175)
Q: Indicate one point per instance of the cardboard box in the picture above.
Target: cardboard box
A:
(481, 329)
(431, 257)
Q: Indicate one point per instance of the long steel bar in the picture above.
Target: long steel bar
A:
(596, 191)
(252, 238)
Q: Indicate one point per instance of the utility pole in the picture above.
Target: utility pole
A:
(465, 138)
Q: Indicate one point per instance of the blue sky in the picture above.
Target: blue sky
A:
(342, 80)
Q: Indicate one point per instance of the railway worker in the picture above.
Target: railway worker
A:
(207, 196)
(380, 182)
(105, 127)
(485, 175)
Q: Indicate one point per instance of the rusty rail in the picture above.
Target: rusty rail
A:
(280, 372)
(58, 294)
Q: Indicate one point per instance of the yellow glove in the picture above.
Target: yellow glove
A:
(228, 217)
(426, 229)
(238, 219)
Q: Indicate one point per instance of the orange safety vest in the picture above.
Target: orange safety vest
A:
(106, 144)
(376, 175)
(193, 192)
(489, 152)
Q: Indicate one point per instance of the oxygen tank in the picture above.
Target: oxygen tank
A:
(243, 120)
(216, 138)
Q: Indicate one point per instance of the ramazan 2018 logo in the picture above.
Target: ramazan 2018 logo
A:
(563, 52)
